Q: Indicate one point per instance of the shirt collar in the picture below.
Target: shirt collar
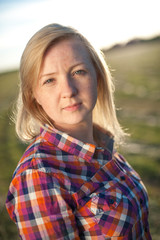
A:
(74, 146)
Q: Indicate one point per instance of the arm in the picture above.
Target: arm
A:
(38, 205)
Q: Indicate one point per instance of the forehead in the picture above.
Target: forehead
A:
(68, 48)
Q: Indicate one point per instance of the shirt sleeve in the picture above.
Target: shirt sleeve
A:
(40, 207)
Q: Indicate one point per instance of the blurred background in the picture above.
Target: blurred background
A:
(128, 32)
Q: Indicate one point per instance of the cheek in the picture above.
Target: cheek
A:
(94, 94)
(42, 98)
(91, 92)
(38, 100)
(93, 88)
(37, 96)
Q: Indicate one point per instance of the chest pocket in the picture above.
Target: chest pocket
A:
(113, 213)
(104, 201)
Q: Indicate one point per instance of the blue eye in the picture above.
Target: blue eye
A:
(80, 72)
(50, 80)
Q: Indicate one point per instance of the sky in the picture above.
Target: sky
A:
(103, 22)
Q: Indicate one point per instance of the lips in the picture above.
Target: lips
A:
(73, 107)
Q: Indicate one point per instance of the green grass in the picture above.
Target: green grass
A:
(10, 152)
(149, 170)
(136, 73)
(8, 89)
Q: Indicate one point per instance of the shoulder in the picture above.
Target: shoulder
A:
(125, 166)
(32, 187)
(39, 155)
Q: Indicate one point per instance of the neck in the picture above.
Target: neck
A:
(82, 131)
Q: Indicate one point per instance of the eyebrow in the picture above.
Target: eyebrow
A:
(47, 74)
(52, 73)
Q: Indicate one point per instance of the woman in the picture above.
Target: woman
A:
(70, 183)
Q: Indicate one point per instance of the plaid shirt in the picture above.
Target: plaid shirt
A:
(63, 188)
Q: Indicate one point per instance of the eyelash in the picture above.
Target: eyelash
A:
(80, 72)
(49, 81)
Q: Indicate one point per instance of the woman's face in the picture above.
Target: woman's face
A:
(67, 86)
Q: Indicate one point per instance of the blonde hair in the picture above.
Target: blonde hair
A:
(29, 115)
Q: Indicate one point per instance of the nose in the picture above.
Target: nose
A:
(68, 87)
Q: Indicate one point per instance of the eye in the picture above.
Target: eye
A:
(80, 72)
(50, 80)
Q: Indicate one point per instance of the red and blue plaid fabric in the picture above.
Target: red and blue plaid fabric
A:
(63, 188)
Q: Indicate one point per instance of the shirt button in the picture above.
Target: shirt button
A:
(111, 201)
(122, 178)
(141, 200)
(146, 229)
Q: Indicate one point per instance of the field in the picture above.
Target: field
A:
(136, 72)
